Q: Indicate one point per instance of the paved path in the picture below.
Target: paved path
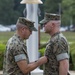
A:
(71, 72)
(1, 72)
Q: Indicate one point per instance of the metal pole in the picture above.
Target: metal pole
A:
(29, 9)
(32, 42)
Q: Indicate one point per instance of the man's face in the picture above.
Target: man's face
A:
(48, 27)
(26, 32)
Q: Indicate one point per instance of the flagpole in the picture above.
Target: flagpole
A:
(32, 42)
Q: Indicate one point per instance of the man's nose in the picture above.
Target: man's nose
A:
(31, 32)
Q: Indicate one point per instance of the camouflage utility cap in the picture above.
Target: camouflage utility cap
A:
(50, 16)
(28, 23)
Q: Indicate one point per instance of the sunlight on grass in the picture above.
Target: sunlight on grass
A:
(4, 36)
(69, 35)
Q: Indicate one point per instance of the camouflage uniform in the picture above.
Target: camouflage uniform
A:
(15, 51)
(56, 50)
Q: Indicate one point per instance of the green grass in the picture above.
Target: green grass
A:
(4, 36)
(69, 35)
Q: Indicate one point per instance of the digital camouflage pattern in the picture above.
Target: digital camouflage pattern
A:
(56, 50)
(26, 22)
(50, 16)
(15, 51)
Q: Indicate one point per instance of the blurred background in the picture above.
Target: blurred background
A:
(10, 10)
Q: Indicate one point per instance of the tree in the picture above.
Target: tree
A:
(52, 6)
(7, 13)
(68, 16)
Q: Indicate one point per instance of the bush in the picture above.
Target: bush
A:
(42, 51)
(72, 52)
(2, 48)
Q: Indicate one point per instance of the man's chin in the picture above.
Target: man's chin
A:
(26, 38)
(46, 32)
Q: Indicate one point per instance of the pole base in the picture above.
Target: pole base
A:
(37, 72)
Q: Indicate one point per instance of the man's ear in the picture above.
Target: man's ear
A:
(22, 29)
(52, 23)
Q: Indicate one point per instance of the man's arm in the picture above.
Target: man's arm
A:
(26, 68)
(63, 67)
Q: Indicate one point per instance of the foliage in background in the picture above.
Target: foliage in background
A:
(68, 16)
(8, 12)
(69, 35)
(2, 48)
(52, 6)
(72, 51)
(4, 36)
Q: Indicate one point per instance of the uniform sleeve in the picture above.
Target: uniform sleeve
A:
(19, 53)
(48, 50)
(19, 57)
(61, 50)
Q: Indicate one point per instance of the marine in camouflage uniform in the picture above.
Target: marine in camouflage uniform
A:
(16, 51)
(57, 48)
